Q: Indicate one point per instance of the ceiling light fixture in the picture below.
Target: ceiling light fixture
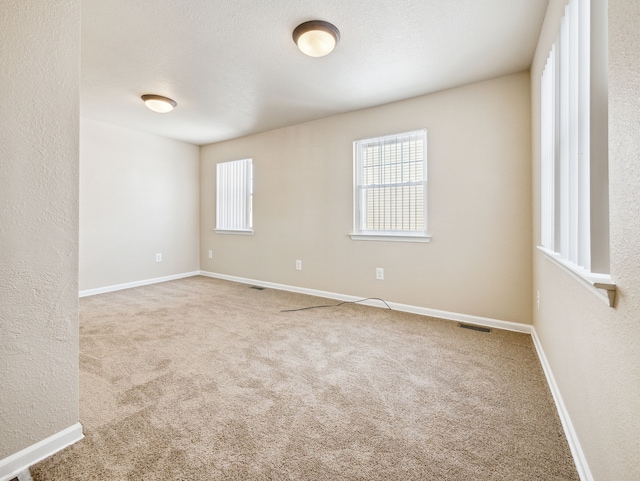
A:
(316, 38)
(158, 103)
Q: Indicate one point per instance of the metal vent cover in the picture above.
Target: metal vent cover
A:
(473, 327)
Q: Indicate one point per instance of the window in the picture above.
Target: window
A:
(573, 144)
(234, 197)
(390, 187)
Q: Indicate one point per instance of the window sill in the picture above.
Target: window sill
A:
(390, 238)
(600, 284)
(233, 232)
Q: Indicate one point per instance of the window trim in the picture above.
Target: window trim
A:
(387, 236)
(390, 238)
(599, 284)
(233, 232)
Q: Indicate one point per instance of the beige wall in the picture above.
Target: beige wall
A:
(139, 195)
(40, 65)
(594, 350)
(478, 262)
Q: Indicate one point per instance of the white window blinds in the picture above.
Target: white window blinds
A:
(391, 185)
(234, 196)
(570, 147)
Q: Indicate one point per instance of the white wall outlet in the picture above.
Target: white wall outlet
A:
(538, 299)
(379, 273)
(210, 254)
(298, 265)
(159, 257)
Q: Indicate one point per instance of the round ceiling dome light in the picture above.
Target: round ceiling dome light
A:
(158, 103)
(316, 38)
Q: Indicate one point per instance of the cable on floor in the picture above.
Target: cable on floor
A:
(339, 304)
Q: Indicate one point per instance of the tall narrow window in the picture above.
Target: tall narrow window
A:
(234, 197)
(573, 143)
(390, 188)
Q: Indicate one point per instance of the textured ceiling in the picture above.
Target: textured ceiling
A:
(234, 70)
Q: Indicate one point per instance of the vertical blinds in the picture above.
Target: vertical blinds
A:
(391, 183)
(234, 193)
(565, 144)
(548, 146)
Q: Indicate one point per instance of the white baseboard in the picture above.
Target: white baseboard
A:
(452, 316)
(25, 476)
(572, 438)
(129, 285)
(15, 464)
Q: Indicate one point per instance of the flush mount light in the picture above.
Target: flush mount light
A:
(158, 103)
(316, 38)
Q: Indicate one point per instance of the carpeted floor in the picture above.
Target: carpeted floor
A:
(203, 379)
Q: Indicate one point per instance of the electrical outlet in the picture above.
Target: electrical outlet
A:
(298, 265)
(538, 299)
(210, 254)
(379, 273)
(159, 257)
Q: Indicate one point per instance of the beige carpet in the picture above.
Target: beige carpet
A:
(202, 379)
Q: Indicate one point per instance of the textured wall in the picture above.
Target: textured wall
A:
(39, 81)
(478, 262)
(594, 350)
(139, 195)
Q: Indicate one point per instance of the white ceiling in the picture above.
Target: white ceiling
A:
(234, 70)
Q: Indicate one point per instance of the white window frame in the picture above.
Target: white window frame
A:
(360, 232)
(574, 196)
(234, 197)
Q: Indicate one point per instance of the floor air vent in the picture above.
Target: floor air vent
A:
(474, 328)
(257, 288)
